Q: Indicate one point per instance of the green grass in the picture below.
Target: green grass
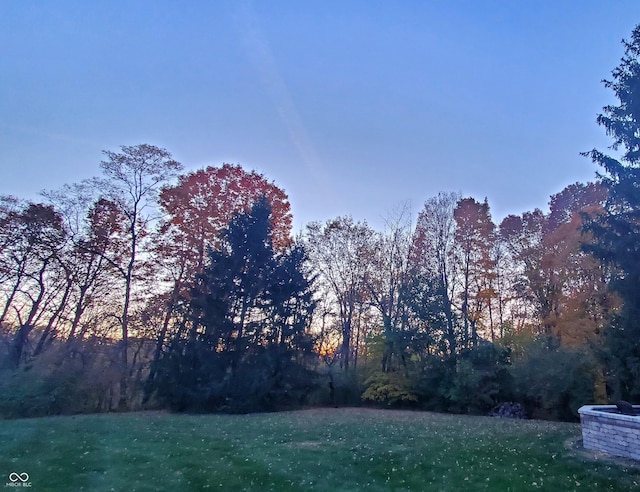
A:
(324, 449)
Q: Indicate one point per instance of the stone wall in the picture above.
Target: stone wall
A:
(612, 433)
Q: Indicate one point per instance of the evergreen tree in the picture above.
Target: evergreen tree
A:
(617, 231)
(248, 344)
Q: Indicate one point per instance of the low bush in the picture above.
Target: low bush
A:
(392, 388)
(481, 379)
(61, 380)
(192, 378)
(553, 383)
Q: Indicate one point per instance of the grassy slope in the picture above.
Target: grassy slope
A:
(341, 449)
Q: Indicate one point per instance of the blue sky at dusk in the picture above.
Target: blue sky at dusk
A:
(351, 106)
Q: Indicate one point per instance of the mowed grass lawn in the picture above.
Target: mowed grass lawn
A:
(320, 449)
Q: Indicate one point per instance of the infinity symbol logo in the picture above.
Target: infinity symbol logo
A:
(22, 477)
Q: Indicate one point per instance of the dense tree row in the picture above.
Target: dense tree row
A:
(150, 287)
(191, 297)
(407, 298)
(107, 267)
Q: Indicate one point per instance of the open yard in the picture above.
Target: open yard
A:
(322, 449)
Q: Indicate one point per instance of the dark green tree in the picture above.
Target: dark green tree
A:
(617, 231)
(248, 345)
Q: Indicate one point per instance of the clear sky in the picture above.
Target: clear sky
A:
(352, 107)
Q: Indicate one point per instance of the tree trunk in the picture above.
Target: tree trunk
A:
(161, 338)
(54, 317)
(123, 403)
(19, 342)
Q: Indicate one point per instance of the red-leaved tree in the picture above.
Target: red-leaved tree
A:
(203, 203)
(197, 211)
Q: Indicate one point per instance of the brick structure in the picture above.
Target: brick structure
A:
(604, 429)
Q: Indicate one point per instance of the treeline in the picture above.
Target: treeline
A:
(460, 314)
(101, 282)
(133, 290)
(148, 288)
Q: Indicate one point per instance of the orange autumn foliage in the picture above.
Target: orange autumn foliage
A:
(203, 203)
